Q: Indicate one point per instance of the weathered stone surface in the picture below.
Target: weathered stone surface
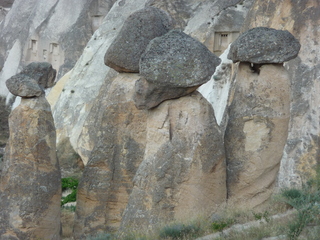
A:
(183, 172)
(24, 86)
(301, 152)
(148, 95)
(81, 89)
(177, 60)
(33, 31)
(138, 30)
(30, 187)
(117, 134)
(42, 72)
(264, 45)
(70, 162)
(256, 133)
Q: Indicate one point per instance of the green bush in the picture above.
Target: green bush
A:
(306, 201)
(72, 184)
(178, 231)
(218, 226)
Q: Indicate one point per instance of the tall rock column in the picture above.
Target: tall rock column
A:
(183, 172)
(30, 187)
(259, 114)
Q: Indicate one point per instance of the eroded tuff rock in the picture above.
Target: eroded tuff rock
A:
(138, 30)
(256, 132)
(264, 45)
(177, 60)
(117, 131)
(30, 188)
(301, 152)
(183, 172)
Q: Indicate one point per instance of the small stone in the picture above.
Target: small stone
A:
(264, 45)
(177, 60)
(24, 86)
(142, 26)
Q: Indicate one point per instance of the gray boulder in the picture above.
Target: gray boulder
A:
(140, 27)
(177, 60)
(32, 80)
(24, 86)
(42, 72)
(264, 45)
(149, 95)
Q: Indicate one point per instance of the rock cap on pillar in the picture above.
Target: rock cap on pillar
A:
(142, 26)
(172, 66)
(32, 80)
(263, 45)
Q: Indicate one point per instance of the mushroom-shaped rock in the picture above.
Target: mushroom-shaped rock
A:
(42, 72)
(177, 60)
(142, 26)
(24, 86)
(264, 45)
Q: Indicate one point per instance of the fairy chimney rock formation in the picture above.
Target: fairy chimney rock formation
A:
(264, 45)
(142, 26)
(172, 66)
(30, 203)
(183, 171)
(32, 80)
(259, 114)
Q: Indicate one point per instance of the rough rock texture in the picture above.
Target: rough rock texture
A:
(264, 45)
(256, 133)
(81, 89)
(30, 188)
(70, 162)
(138, 30)
(149, 95)
(42, 72)
(33, 31)
(177, 60)
(301, 153)
(183, 173)
(4, 127)
(24, 86)
(117, 133)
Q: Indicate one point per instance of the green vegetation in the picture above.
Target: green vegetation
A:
(179, 231)
(307, 203)
(69, 184)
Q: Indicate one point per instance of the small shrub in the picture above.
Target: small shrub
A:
(72, 184)
(306, 202)
(260, 216)
(218, 226)
(178, 231)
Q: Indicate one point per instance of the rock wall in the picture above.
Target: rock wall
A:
(301, 152)
(32, 31)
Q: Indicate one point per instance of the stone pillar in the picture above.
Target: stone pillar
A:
(30, 181)
(256, 133)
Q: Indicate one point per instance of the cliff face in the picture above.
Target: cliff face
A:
(301, 152)
(148, 166)
(34, 31)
